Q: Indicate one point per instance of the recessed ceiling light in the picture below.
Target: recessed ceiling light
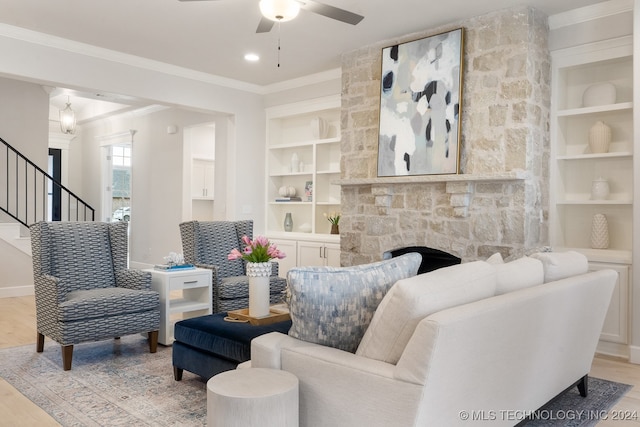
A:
(252, 57)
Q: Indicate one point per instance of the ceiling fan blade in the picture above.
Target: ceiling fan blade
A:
(331, 12)
(265, 25)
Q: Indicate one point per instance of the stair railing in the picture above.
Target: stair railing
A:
(29, 191)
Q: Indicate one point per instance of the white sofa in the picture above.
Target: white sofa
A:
(492, 359)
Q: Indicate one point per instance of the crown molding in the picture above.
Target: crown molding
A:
(85, 49)
(589, 13)
(320, 77)
(55, 42)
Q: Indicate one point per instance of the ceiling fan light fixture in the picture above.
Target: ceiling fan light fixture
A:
(279, 10)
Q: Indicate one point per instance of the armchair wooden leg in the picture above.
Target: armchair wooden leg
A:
(40, 343)
(67, 356)
(153, 341)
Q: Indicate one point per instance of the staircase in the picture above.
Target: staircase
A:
(32, 195)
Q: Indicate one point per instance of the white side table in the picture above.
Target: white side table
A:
(253, 397)
(183, 294)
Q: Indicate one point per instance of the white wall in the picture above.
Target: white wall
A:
(61, 63)
(157, 170)
(24, 113)
(238, 111)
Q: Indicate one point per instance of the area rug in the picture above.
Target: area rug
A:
(572, 410)
(111, 383)
(119, 383)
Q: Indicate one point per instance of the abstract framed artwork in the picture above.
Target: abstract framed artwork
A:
(420, 104)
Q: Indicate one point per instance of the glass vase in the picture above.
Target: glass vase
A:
(288, 222)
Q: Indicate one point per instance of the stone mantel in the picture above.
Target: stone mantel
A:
(500, 204)
(517, 175)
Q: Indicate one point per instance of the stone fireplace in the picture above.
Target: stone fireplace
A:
(499, 201)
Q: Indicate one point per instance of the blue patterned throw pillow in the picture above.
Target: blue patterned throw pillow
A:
(333, 306)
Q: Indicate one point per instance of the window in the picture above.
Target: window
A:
(121, 156)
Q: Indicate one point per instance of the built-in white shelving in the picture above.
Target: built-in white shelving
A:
(574, 167)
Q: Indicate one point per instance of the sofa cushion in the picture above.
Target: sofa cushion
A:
(560, 265)
(106, 302)
(334, 306)
(518, 274)
(411, 300)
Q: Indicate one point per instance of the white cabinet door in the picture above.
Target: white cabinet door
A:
(289, 247)
(310, 254)
(615, 328)
(202, 173)
(207, 183)
(332, 253)
(313, 254)
(197, 178)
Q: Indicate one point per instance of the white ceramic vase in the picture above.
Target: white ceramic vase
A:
(295, 163)
(319, 128)
(599, 189)
(599, 137)
(599, 232)
(258, 273)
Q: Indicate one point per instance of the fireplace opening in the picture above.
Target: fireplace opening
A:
(432, 259)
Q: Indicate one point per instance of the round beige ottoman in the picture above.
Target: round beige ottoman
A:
(252, 397)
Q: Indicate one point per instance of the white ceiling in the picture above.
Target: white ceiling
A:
(213, 36)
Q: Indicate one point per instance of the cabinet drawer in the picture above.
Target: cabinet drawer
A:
(190, 281)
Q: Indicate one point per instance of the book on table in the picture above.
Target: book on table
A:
(174, 267)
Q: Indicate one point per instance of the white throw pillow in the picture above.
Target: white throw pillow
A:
(495, 259)
(559, 265)
(518, 274)
(411, 300)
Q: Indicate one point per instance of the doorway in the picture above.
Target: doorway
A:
(116, 176)
(54, 193)
(121, 182)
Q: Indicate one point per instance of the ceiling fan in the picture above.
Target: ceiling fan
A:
(285, 10)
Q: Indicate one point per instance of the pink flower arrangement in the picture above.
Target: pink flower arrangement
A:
(258, 250)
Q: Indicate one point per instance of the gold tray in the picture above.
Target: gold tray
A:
(273, 317)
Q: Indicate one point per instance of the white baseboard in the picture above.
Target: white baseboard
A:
(634, 354)
(16, 291)
(608, 348)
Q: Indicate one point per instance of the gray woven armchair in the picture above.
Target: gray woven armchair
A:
(83, 288)
(207, 244)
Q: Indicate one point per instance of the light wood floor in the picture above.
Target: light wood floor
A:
(17, 327)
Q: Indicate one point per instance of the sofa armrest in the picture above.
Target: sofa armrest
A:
(133, 279)
(338, 388)
(51, 287)
(266, 352)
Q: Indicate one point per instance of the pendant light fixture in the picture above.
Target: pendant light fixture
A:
(279, 10)
(67, 119)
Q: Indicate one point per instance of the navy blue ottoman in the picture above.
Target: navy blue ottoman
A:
(208, 345)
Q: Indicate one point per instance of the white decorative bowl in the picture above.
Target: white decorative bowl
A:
(305, 228)
(599, 94)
